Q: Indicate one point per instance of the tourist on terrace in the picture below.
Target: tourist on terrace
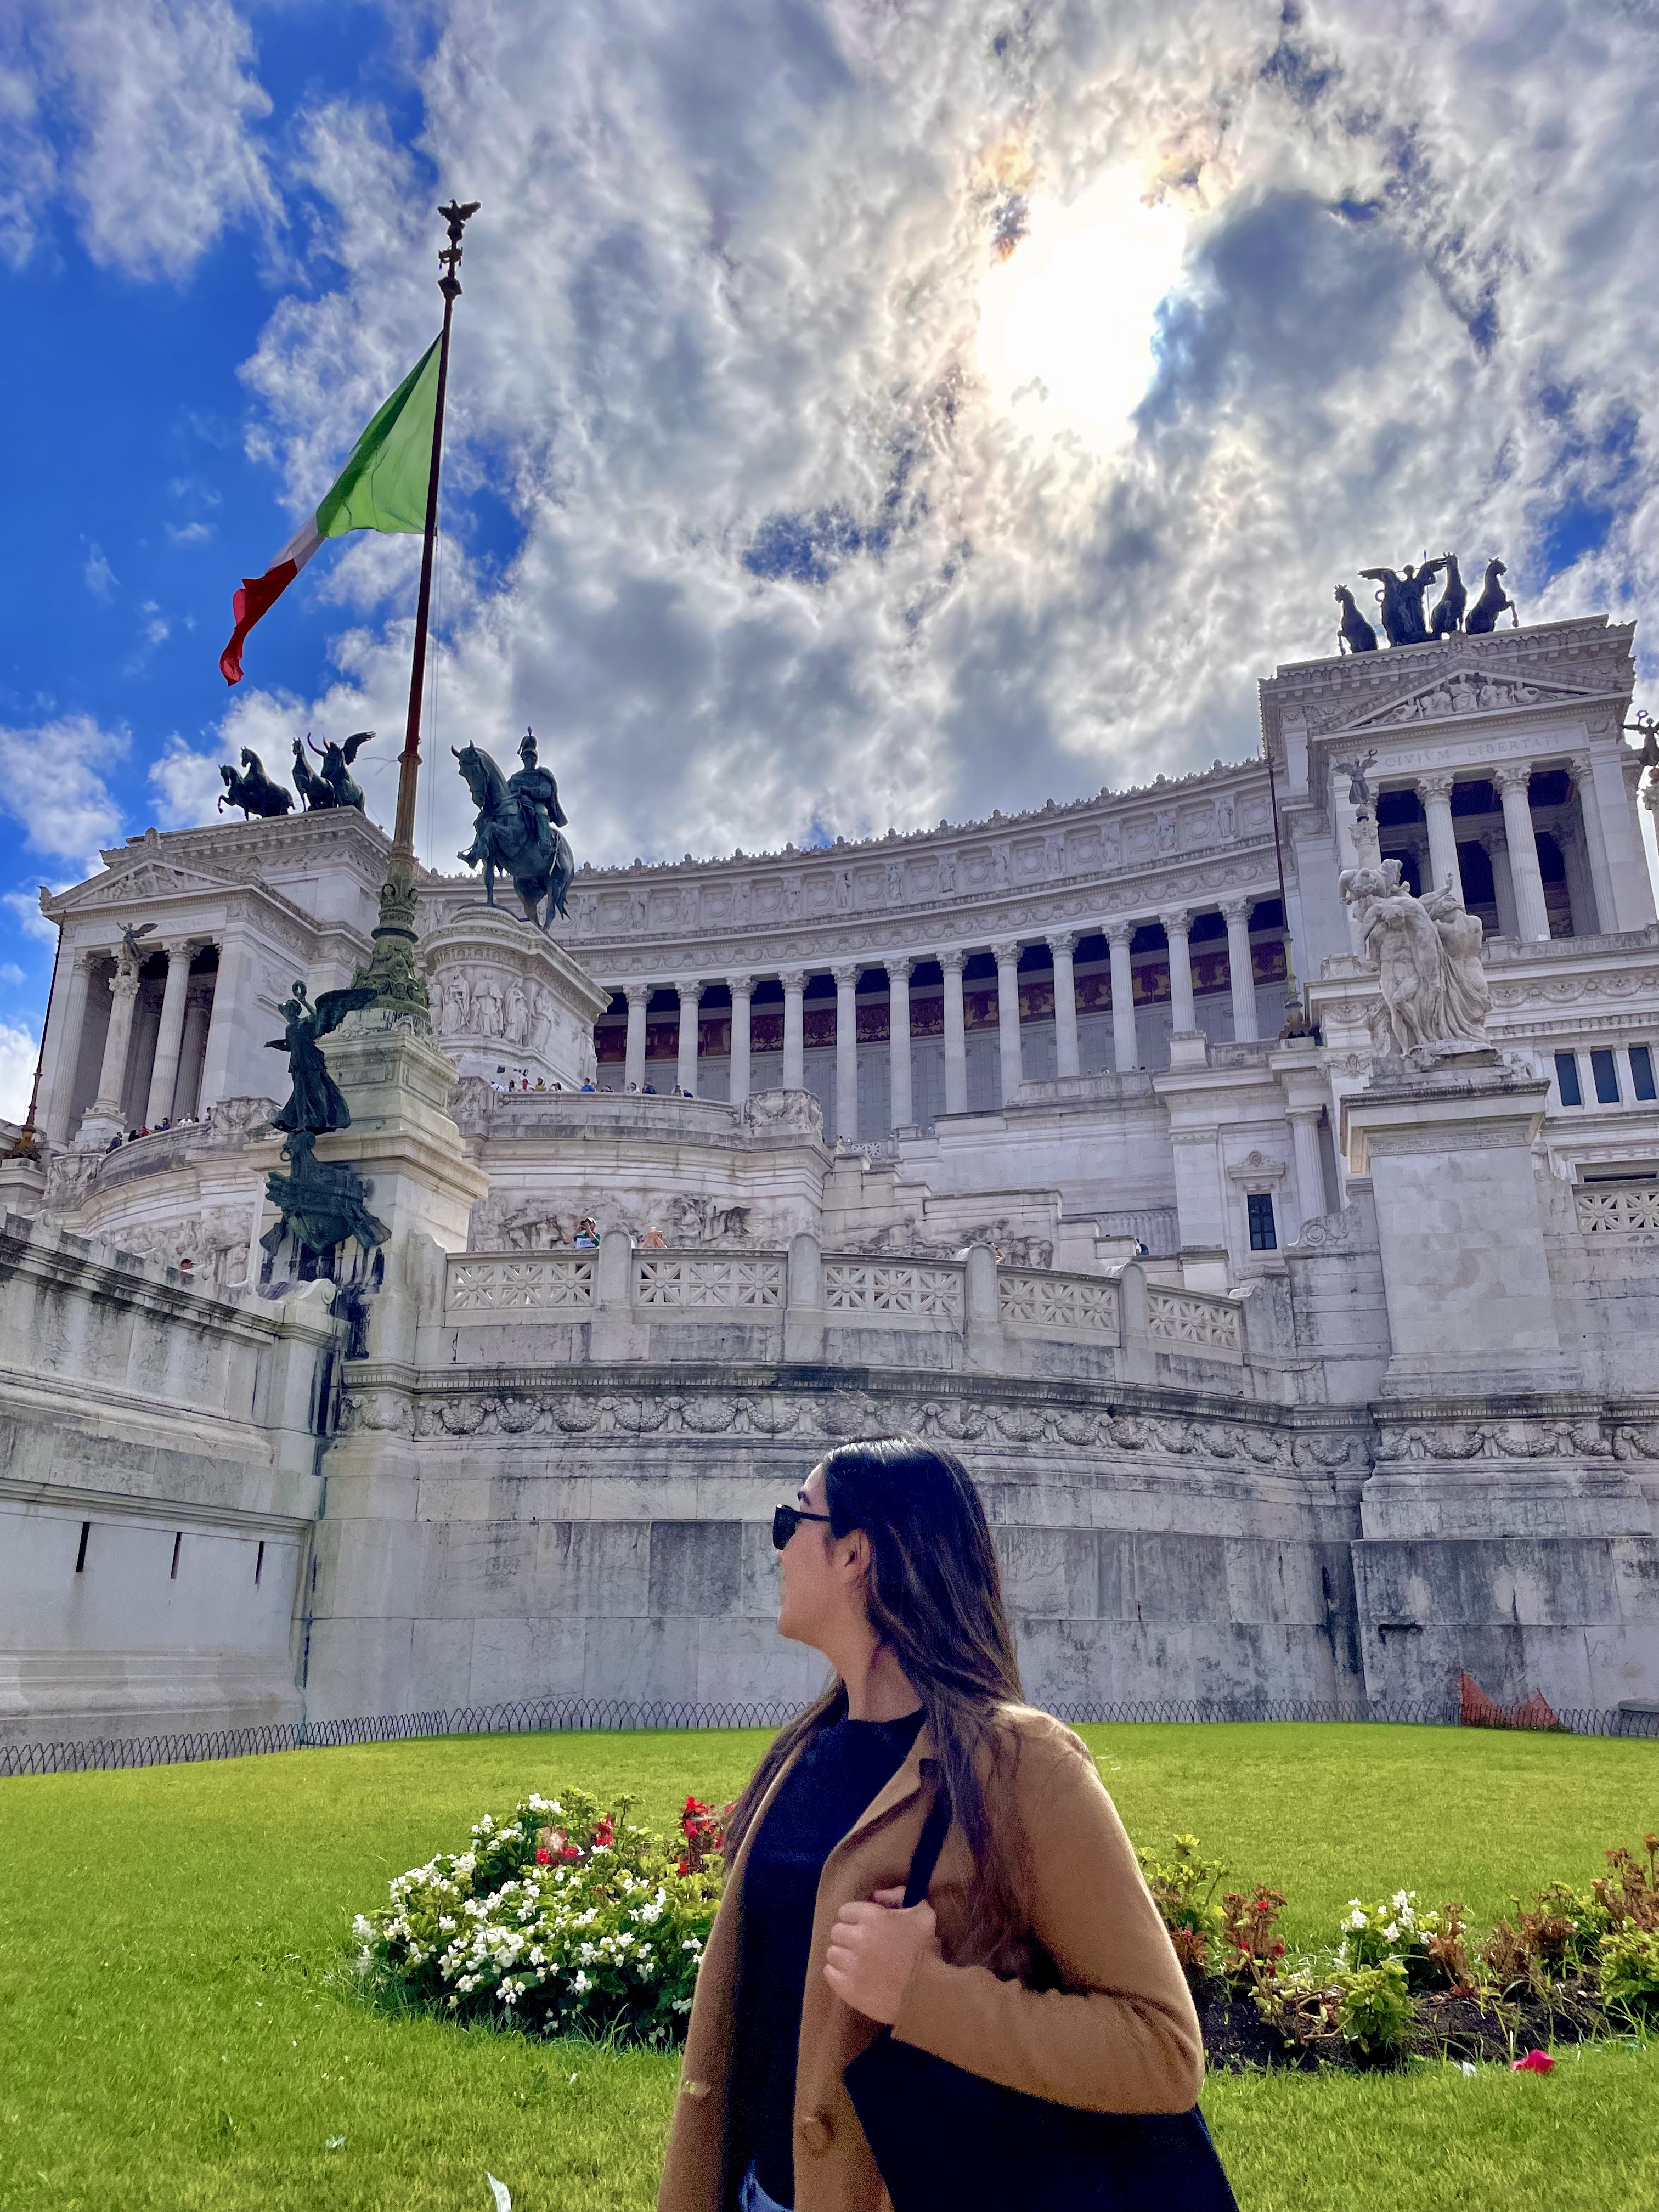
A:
(654, 1240)
(589, 1084)
(586, 1238)
(648, 1090)
(1035, 1960)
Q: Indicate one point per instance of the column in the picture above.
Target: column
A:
(638, 996)
(1596, 851)
(1014, 1071)
(67, 1029)
(846, 1054)
(1182, 1014)
(124, 986)
(685, 1074)
(170, 1036)
(795, 1030)
(1434, 792)
(1531, 916)
(1609, 800)
(955, 1035)
(222, 1075)
(1126, 1047)
(1241, 973)
(1580, 889)
(741, 990)
(1309, 1165)
(199, 1007)
(1068, 1060)
(901, 1112)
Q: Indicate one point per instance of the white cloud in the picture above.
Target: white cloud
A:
(25, 910)
(786, 558)
(139, 115)
(190, 533)
(51, 780)
(19, 1052)
(101, 578)
(187, 785)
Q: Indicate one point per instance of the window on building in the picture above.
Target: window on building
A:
(1264, 1237)
(1641, 1071)
(1566, 1079)
(1605, 1076)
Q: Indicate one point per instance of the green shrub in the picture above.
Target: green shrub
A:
(1374, 2008)
(1184, 1889)
(561, 1917)
(1630, 1969)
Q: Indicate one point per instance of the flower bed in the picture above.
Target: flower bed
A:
(565, 1918)
(1403, 1981)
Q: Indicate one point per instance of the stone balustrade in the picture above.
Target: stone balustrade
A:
(1617, 1213)
(981, 1315)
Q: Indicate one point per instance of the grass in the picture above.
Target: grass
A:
(174, 2032)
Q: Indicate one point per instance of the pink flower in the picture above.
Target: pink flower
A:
(1535, 2062)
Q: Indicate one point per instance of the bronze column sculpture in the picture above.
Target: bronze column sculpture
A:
(399, 987)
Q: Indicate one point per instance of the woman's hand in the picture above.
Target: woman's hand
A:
(873, 1950)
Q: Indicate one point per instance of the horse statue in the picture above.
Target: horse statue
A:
(311, 787)
(1354, 633)
(336, 760)
(541, 866)
(1483, 614)
(255, 793)
(1447, 616)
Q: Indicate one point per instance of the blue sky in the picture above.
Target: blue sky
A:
(860, 416)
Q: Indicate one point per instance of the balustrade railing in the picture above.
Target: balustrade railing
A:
(1617, 1212)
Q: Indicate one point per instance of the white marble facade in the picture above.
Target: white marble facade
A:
(1004, 1120)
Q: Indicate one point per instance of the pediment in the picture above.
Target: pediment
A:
(145, 880)
(1457, 694)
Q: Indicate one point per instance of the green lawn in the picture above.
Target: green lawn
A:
(175, 2034)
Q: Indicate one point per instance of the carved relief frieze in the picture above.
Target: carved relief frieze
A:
(1419, 1443)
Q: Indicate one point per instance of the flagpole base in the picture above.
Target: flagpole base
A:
(399, 985)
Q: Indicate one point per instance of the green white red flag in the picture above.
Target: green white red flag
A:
(383, 486)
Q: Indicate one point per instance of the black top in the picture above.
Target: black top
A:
(834, 1779)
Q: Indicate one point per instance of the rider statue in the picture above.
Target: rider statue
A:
(534, 788)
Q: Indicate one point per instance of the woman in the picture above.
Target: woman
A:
(1038, 1959)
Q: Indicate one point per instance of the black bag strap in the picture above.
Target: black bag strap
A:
(934, 1829)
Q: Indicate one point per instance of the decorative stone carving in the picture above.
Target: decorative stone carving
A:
(1190, 1317)
(1617, 1212)
(501, 1286)
(670, 1279)
(852, 1287)
(1072, 1302)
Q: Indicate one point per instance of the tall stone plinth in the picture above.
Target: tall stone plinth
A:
(1500, 1534)
(505, 996)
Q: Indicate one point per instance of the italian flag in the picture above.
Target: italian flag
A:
(382, 487)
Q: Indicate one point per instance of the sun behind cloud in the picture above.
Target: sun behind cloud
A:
(1067, 315)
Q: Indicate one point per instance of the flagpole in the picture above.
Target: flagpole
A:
(398, 983)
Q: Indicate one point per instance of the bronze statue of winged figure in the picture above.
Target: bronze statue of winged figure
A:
(316, 1101)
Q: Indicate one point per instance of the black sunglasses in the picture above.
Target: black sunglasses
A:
(785, 1519)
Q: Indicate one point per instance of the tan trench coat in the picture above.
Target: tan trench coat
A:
(1114, 2031)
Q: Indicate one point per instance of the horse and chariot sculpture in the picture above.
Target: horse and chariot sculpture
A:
(1401, 596)
(258, 792)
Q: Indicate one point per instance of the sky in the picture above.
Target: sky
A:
(861, 415)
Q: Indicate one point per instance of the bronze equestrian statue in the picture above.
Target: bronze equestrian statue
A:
(518, 831)
(1354, 634)
(1483, 614)
(254, 791)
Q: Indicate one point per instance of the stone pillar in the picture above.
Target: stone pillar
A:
(846, 1053)
(1008, 1052)
(233, 996)
(169, 1038)
(1434, 792)
(1240, 971)
(638, 996)
(685, 1074)
(1595, 852)
(1126, 1047)
(795, 1030)
(1580, 889)
(107, 1106)
(198, 1007)
(71, 1022)
(1309, 1165)
(955, 1035)
(899, 1042)
(741, 990)
(1491, 842)
(1181, 1013)
(1531, 916)
(1067, 1059)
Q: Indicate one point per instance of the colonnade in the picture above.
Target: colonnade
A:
(1511, 780)
(129, 1091)
(899, 971)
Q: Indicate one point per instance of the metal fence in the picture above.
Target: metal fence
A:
(567, 1715)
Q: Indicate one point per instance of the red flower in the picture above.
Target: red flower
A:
(1535, 2062)
(543, 1857)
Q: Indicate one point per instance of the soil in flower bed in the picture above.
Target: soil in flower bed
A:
(1448, 2025)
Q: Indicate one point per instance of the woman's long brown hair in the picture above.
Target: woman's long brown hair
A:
(934, 1596)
